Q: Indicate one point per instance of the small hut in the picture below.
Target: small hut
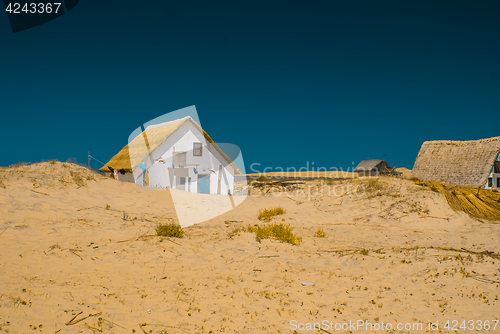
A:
(374, 167)
(473, 163)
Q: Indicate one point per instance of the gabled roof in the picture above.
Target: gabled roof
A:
(369, 164)
(149, 140)
(461, 163)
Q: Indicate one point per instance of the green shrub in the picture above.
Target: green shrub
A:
(320, 233)
(280, 232)
(268, 214)
(170, 230)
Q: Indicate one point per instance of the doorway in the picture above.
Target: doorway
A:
(203, 184)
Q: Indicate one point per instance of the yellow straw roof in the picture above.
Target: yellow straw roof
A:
(460, 163)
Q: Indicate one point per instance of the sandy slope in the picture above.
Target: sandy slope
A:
(72, 241)
(307, 174)
(405, 171)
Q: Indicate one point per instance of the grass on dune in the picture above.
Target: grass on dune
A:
(476, 202)
(268, 214)
(172, 230)
(281, 232)
(320, 233)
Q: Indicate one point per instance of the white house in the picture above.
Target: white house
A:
(493, 180)
(178, 154)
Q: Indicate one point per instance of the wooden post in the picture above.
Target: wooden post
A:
(231, 198)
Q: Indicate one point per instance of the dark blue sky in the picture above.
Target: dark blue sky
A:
(286, 81)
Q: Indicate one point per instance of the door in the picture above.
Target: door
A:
(203, 184)
(182, 183)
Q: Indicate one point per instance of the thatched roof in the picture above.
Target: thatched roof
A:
(149, 140)
(461, 163)
(370, 164)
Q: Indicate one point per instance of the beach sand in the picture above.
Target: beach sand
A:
(406, 173)
(306, 174)
(80, 255)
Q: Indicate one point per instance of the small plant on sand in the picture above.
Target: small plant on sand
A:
(108, 206)
(170, 230)
(268, 214)
(235, 232)
(281, 232)
(78, 178)
(373, 185)
(330, 182)
(20, 164)
(364, 251)
(320, 233)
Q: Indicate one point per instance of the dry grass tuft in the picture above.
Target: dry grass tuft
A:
(78, 178)
(80, 175)
(373, 184)
(281, 232)
(363, 251)
(268, 214)
(405, 206)
(320, 233)
(20, 164)
(379, 186)
(172, 230)
(476, 202)
(235, 232)
(50, 173)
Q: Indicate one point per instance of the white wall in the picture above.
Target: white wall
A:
(160, 174)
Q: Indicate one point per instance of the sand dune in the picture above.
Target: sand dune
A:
(405, 171)
(79, 255)
(308, 174)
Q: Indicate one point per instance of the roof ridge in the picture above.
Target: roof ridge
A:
(154, 126)
(462, 142)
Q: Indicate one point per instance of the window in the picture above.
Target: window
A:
(182, 181)
(197, 149)
(490, 182)
(498, 182)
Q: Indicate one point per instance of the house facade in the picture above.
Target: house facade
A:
(177, 155)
